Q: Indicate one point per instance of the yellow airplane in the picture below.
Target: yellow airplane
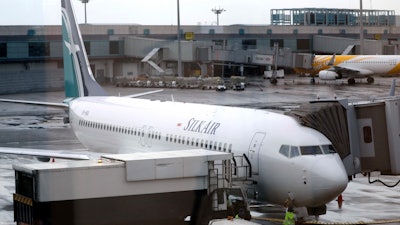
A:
(331, 67)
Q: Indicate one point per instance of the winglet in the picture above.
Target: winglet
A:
(78, 76)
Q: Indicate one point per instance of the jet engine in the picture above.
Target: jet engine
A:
(327, 75)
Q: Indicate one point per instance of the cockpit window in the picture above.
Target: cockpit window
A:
(294, 151)
(328, 149)
(284, 150)
(311, 150)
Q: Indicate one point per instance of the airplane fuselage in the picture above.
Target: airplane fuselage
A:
(122, 125)
(365, 64)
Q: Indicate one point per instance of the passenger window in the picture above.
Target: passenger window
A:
(284, 150)
(310, 150)
(294, 151)
(328, 149)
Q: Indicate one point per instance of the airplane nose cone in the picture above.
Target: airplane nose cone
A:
(329, 179)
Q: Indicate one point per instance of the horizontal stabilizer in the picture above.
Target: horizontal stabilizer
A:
(52, 104)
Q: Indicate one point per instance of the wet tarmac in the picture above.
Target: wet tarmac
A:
(42, 127)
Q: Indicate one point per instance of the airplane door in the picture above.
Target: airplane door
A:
(254, 150)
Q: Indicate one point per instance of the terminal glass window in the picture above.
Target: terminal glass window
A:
(114, 47)
(303, 44)
(3, 50)
(218, 42)
(39, 49)
(279, 41)
(249, 44)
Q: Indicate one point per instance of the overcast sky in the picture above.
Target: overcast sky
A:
(164, 12)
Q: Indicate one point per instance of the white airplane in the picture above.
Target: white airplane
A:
(331, 67)
(286, 158)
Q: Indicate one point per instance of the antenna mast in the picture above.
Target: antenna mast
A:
(217, 12)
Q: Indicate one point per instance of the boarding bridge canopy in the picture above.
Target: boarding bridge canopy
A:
(330, 119)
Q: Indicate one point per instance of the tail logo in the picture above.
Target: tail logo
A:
(78, 77)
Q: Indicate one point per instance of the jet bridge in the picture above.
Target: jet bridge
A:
(365, 133)
(138, 188)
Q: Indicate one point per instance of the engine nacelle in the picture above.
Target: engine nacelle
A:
(327, 75)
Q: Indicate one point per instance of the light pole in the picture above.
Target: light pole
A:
(179, 42)
(217, 12)
(361, 29)
(85, 2)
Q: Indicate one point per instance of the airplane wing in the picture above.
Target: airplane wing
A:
(52, 104)
(67, 154)
(351, 71)
(143, 93)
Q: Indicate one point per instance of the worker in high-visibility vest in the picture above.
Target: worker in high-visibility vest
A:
(290, 216)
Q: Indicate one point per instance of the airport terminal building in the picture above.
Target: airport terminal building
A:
(33, 54)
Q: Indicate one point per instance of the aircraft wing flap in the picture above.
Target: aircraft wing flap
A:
(43, 153)
(351, 70)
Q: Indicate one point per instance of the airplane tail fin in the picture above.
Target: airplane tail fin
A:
(78, 77)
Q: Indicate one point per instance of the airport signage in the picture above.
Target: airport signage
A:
(189, 36)
(263, 59)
